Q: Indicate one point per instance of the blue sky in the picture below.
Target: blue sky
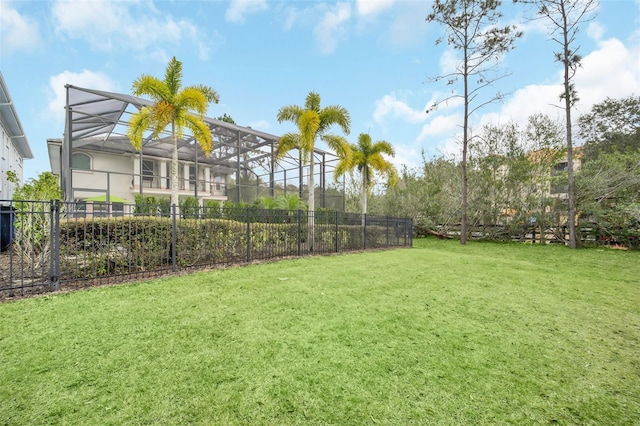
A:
(374, 57)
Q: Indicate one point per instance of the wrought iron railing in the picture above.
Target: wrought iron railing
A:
(49, 246)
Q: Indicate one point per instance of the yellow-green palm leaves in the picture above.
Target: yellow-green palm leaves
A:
(181, 108)
(313, 122)
(368, 158)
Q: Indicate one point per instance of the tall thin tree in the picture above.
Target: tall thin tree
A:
(313, 122)
(175, 107)
(564, 18)
(472, 29)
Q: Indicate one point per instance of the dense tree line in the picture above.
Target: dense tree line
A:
(518, 178)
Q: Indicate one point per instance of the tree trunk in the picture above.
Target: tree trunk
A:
(567, 100)
(174, 167)
(312, 204)
(465, 144)
(363, 198)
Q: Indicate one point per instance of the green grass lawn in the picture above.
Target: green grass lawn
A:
(437, 334)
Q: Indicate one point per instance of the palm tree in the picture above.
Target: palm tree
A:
(313, 122)
(173, 106)
(368, 158)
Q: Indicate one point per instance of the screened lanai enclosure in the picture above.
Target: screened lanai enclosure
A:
(96, 161)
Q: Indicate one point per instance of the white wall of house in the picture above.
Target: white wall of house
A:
(10, 160)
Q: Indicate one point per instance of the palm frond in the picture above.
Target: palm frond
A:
(163, 114)
(344, 152)
(308, 124)
(147, 85)
(384, 147)
(191, 99)
(334, 114)
(138, 123)
(201, 132)
(289, 113)
(287, 142)
(173, 76)
(209, 93)
(364, 143)
(368, 158)
(312, 102)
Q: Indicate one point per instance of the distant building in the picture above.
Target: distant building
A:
(14, 147)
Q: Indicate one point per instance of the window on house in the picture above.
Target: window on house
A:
(218, 180)
(192, 177)
(148, 172)
(80, 161)
(561, 167)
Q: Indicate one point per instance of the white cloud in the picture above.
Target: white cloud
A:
(203, 51)
(329, 23)
(238, 9)
(390, 106)
(595, 31)
(441, 125)
(372, 7)
(94, 80)
(332, 27)
(17, 32)
(605, 72)
(529, 100)
(449, 62)
(410, 156)
(612, 70)
(107, 25)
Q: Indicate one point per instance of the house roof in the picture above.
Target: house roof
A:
(11, 122)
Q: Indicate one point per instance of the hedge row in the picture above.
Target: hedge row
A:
(124, 245)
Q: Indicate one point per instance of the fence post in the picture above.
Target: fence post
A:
(410, 232)
(337, 231)
(54, 245)
(387, 231)
(248, 235)
(299, 231)
(174, 238)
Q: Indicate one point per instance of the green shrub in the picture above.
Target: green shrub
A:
(189, 208)
(150, 205)
(112, 245)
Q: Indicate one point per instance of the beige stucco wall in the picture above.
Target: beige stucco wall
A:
(109, 171)
(116, 172)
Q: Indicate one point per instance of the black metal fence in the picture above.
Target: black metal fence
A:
(50, 246)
